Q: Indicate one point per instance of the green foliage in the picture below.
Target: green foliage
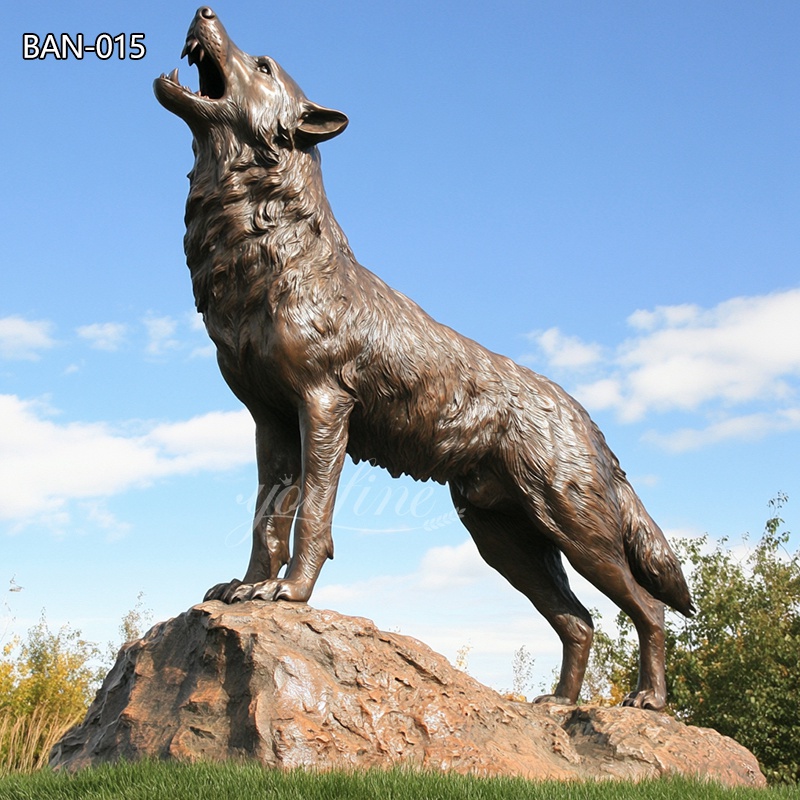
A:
(734, 665)
(251, 781)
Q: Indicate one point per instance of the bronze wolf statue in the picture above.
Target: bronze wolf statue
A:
(331, 361)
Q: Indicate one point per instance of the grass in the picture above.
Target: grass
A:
(250, 781)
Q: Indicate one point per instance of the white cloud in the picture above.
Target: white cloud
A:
(46, 463)
(669, 316)
(103, 335)
(566, 351)
(218, 440)
(748, 427)
(160, 335)
(443, 568)
(197, 325)
(22, 339)
(743, 349)
(442, 571)
(96, 512)
(206, 351)
(689, 359)
(601, 394)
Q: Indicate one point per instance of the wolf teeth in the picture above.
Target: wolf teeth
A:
(173, 76)
(194, 51)
(189, 46)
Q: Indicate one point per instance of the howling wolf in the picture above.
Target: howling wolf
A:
(331, 361)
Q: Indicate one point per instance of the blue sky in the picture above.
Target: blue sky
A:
(607, 192)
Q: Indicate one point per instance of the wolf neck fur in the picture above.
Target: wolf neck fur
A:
(254, 222)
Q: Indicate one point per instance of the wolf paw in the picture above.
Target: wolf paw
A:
(645, 698)
(236, 591)
(221, 591)
(285, 589)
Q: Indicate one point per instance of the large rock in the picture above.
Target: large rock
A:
(293, 686)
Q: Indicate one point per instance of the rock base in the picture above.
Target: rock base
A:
(292, 686)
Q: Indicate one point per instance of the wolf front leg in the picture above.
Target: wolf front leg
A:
(278, 455)
(323, 434)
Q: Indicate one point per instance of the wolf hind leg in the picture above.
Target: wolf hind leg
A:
(532, 564)
(588, 527)
(610, 572)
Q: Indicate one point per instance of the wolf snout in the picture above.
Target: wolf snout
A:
(206, 12)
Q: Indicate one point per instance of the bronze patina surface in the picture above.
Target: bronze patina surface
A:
(331, 361)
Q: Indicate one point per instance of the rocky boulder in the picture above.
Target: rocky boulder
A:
(292, 686)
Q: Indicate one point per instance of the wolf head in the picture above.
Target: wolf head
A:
(252, 95)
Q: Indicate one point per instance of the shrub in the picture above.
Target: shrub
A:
(46, 684)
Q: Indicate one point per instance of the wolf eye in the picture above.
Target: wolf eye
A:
(263, 66)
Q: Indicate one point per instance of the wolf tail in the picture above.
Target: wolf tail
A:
(652, 561)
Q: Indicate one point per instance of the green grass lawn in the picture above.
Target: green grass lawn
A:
(170, 781)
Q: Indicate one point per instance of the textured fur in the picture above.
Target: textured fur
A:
(330, 360)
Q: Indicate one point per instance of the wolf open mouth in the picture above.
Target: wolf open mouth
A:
(212, 81)
(207, 45)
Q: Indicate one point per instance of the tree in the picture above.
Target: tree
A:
(734, 665)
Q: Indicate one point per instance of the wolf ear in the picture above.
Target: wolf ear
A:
(318, 124)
